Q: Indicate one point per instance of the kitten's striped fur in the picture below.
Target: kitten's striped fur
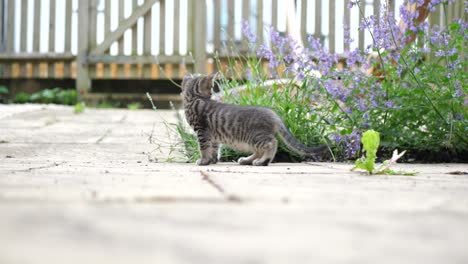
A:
(245, 128)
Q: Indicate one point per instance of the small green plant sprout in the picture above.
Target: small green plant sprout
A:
(370, 141)
(79, 107)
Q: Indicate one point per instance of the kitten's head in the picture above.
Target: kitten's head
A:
(197, 86)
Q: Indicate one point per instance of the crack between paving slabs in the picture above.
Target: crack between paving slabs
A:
(109, 130)
(229, 197)
(55, 164)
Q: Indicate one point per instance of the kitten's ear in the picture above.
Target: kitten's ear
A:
(187, 76)
(213, 77)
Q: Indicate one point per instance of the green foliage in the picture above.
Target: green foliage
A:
(106, 105)
(49, 96)
(3, 90)
(415, 93)
(22, 98)
(134, 106)
(3, 94)
(79, 107)
(370, 140)
(416, 96)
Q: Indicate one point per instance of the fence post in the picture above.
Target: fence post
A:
(83, 82)
(1, 25)
(2, 38)
(199, 37)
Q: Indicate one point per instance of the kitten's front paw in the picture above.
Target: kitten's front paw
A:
(259, 162)
(213, 160)
(202, 162)
(245, 161)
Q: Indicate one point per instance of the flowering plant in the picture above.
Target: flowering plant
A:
(410, 84)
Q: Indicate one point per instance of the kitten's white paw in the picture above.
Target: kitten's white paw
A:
(244, 161)
(259, 162)
(202, 162)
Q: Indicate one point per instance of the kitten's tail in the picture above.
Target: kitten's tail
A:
(294, 144)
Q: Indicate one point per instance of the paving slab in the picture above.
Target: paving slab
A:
(85, 188)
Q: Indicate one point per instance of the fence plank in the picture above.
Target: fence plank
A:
(346, 26)
(231, 20)
(376, 5)
(2, 39)
(304, 21)
(68, 30)
(134, 68)
(52, 9)
(199, 49)
(331, 28)
(123, 26)
(189, 23)
(245, 18)
(107, 30)
(140, 59)
(120, 41)
(83, 82)
(176, 34)
(274, 14)
(216, 25)
(10, 35)
(361, 32)
(259, 21)
(391, 6)
(176, 26)
(24, 31)
(162, 26)
(36, 35)
(147, 43)
(36, 56)
(318, 20)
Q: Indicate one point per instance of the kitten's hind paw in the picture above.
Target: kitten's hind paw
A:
(245, 161)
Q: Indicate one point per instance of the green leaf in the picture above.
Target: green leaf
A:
(370, 140)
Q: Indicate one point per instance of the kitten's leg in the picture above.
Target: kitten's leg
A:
(204, 144)
(249, 160)
(214, 153)
(269, 151)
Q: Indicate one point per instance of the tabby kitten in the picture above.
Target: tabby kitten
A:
(245, 128)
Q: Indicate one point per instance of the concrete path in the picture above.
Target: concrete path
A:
(84, 188)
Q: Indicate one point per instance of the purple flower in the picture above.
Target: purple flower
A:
(347, 34)
(439, 53)
(351, 4)
(336, 90)
(458, 116)
(389, 104)
(246, 30)
(352, 143)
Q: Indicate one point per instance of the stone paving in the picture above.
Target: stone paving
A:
(83, 188)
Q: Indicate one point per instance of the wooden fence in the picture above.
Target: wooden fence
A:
(159, 39)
